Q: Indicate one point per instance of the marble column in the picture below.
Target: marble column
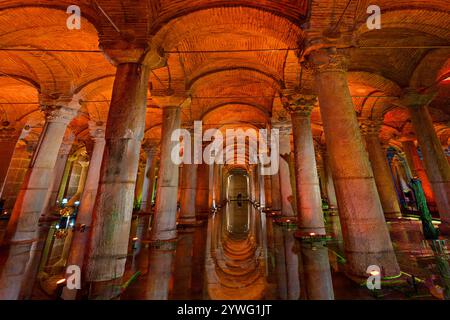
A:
(22, 230)
(365, 233)
(8, 140)
(84, 217)
(331, 192)
(151, 150)
(201, 197)
(309, 199)
(111, 221)
(434, 158)
(370, 130)
(268, 191)
(188, 189)
(276, 193)
(285, 187)
(31, 199)
(164, 224)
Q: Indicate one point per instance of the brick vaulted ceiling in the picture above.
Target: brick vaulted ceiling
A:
(232, 57)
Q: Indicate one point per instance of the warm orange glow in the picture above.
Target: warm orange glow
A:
(61, 281)
(374, 273)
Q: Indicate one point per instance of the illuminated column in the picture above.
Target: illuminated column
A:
(31, 199)
(151, 150)
(164, 224)
(434, 158)
(284, 184)
(331, 192)
(188, 188)
(365, 233)
(22, 230)
(383, 178)
(276, 194)
(309, 200)
(8, 140)
(111, 221)
(84, 216)
(201, 197)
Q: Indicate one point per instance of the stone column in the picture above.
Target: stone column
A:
(108, 244)
(31, 199)
(8, 140)
(22, 230)
(309, 199)
(276, 193)
(331, 192)
(383, 178)
(140, 178)
(201, 197)
(150, 149)
(434, 158)
(365, 233)
(285, 186)
(188, 188)
(84, 217)
(268, 191)
(164, 225)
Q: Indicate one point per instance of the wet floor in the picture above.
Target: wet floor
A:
(239, 253)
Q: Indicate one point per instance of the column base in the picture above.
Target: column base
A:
(389, 281)
(105, 290)
(287, 221)
(392, 215)
(310, 233)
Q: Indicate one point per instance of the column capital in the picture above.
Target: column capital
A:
(150, 146)
(328, 60)
(412, 98)
(170, 99)
(97, 129)
(126, 51)
(370, 127)
(298, 103)
(8, 133)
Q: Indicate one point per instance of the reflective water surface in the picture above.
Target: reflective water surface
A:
(239, 253)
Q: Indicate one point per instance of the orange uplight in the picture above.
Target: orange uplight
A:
(374, 273)
(61, 281)
(135, 239)
(312, 234)
(446, 79)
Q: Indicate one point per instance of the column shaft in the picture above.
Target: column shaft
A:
(366, 237)
(113, 207)
(309, 200)
(164, 225)
(436, 164)
(383, 176)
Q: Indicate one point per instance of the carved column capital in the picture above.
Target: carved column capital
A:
(170, 99)
(97, 129)
(127, 51)
(413, 99)
(299, 104)
(370, 127)
(328, 60)
(57, 113)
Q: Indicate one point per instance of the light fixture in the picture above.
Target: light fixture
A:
(374, 273)
(61, 281)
